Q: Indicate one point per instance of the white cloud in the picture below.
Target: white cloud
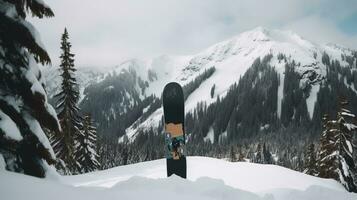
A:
(321, 30)
(107, 32)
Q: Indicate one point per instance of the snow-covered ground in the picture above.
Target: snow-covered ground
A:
(208, 178)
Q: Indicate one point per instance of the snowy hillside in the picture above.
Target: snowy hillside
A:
(155, 72)
(208, 178)
(136, 79)
(84, 75)
(233, 57)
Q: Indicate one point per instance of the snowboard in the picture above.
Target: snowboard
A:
(174, 115)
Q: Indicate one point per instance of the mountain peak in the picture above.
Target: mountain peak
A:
(262, 34)
(257, 34)
(261, 30)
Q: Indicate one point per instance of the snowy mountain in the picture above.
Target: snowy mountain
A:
(125, 100)
(208, 178)
(84, 76)
(233, 57)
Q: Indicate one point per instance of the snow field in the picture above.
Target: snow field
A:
(208, 178)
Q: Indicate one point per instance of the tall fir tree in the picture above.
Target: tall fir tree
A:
(346, 168)
(24, 109)
(68, 112)
(86, 147)
(310, 161)
(325, 163)
(336, 153)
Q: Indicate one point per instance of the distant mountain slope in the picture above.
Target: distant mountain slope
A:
(282, 66)
(232, 59)
(84, 75)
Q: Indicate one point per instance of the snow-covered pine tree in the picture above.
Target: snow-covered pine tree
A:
(344, 147)
(86, 148)
(310, 161)
(335, 157)
(24, 109)
(68, 112)
(325, 163)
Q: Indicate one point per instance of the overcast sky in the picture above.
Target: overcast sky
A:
(106, 32)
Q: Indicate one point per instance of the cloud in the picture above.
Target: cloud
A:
(107, 32)
(318, 29)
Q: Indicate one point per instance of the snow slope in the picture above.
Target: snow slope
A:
(208, 178)
(84, 76)
(165, 69)
(233, 57)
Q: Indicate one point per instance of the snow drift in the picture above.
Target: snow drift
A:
(208, 178)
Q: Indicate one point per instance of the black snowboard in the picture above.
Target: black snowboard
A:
(174, 114)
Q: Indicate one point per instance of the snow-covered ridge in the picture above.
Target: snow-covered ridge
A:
(207, 178)
(231, 59)
(234, 56)
(238, 52)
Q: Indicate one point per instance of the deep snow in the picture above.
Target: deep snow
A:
(208, 178)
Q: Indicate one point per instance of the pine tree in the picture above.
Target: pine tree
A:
(335, 157)
(268, 158)
(24, 109)
(310, 161)
(86, 149)
(212, 90)
(125, 154)
(259, 157)
(233, 156)
(68, 112)
(241, 157)
(325, 162)
(346, 167)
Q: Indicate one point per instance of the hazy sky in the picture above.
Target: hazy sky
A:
(106, 32)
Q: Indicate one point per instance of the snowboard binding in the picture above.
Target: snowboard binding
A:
(175, 147)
